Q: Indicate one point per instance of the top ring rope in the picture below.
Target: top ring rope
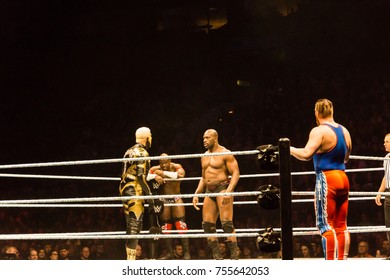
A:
(116, 160)
(95, 178)
(184, 156)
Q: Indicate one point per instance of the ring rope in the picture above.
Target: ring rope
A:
(30, 205)
(363, 230)
(116, 160)
(40, 236)
(146, 197)
(38, 176)
(101, 205)
(180, 232)
(311, 193)
(124, 198)
(184, 156)
(47, 236)
(368, 158)
(42, 176)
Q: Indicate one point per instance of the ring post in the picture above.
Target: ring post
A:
(285, 198)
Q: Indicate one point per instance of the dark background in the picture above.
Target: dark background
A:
(77, 78)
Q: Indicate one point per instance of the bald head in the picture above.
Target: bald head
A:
(212, 133)
(210, 139)
(143, 135)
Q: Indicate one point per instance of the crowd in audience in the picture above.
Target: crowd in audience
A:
(195, 87)
(266, 114)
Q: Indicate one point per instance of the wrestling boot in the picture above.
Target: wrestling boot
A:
(214, 246)
(234, 250)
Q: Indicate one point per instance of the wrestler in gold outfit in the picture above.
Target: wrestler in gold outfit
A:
(133, 183)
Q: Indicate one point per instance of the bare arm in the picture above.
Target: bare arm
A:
(348, 141)
(180, 170)
(312, 146)
(232, 167)
(382, 188)
(153, 174)
(199, 189)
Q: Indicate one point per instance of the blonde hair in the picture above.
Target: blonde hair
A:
(142, 133)
(324, 107)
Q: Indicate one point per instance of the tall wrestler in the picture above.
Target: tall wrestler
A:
(171, 214)
(385, 185)
(133, 183)
(215, 179)
(329, 145)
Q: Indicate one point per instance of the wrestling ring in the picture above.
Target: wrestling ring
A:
(286, 201)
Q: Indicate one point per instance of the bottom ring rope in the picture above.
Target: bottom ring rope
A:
(123, 235)
(48, 205)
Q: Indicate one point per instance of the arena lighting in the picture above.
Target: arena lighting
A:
(243, 83)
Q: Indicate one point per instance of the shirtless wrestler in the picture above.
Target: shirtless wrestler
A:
(215, 179)
(171, 214)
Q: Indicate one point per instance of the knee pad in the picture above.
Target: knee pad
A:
(209, 227)
(133, 225)
(180, 224)
(227, 227)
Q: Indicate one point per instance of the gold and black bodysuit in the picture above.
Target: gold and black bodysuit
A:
(133, 183)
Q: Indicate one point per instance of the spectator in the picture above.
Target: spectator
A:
(100, 253)
(85, 253)
(10, 252)
(202, 254)
(306, 250)
(246, 252)
(178, 252)
(33, 254)
(64, 252)
(54, 255)
(384, 250)
(363, 250)
(42, 254)
(139, 252)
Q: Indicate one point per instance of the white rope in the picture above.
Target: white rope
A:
(146, 197)
(368, 158)
(184, 156)
(43, 176)
(116, 160)
(219, 234)
(101, 205)
(38, 176)
(124, 198)
(357, 230)
(311, 193)
(257, 230)
(40, 236)
(351, 198)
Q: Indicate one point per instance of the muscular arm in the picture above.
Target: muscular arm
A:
(199, 189)
(232, 167)
(312, 146)
(176, 174)
(153, 174)
(348, 141)
(180, 170)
